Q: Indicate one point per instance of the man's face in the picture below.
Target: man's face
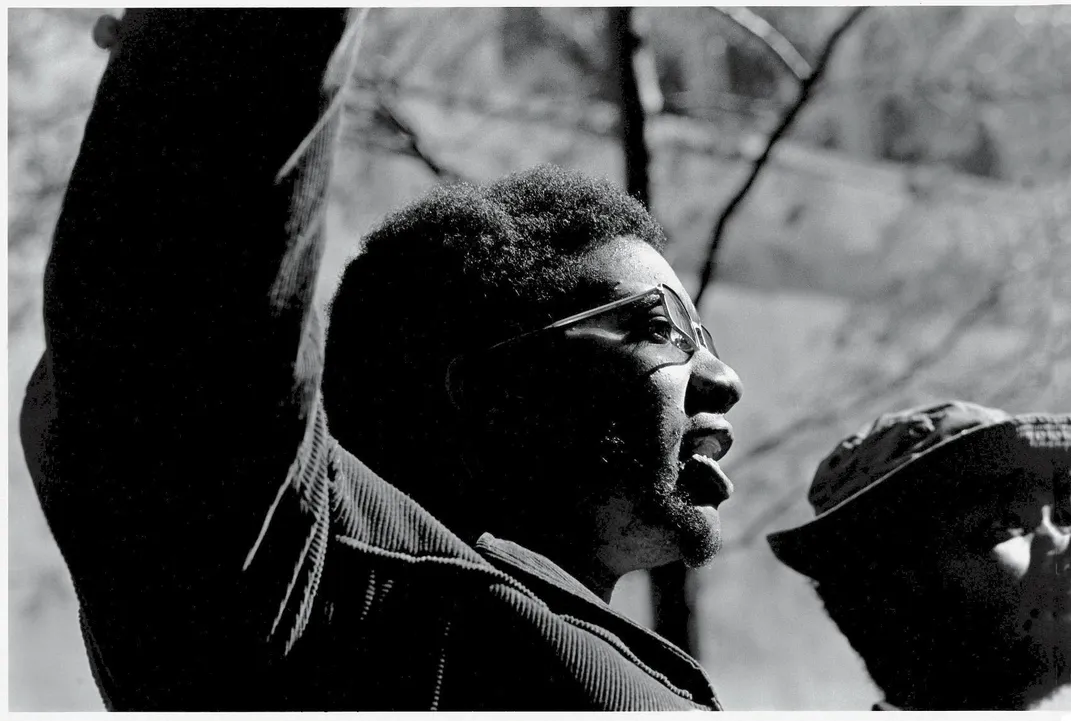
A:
(1007, 556)
(609, 439)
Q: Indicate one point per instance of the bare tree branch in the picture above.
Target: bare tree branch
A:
(806, 89)
(413, 145)
(776, 43)
(568, 112)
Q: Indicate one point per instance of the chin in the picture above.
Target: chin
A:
(693, 531)
(699, 539)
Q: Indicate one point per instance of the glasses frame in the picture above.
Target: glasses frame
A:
(698, 330)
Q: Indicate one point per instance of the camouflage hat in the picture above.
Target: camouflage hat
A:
(894, 461)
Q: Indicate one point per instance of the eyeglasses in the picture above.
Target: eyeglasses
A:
(686, 332)
(669, 333)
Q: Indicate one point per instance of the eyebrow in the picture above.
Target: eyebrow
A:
(590, 292)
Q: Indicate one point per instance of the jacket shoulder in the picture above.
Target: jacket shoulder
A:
(373, 516)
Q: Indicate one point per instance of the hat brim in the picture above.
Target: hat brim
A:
(1039, 442)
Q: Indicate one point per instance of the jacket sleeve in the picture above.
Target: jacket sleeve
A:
(182, 358)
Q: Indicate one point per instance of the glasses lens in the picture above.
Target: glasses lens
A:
(678, 314)
(688, 323)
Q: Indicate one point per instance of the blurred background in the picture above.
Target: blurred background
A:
(908, 239)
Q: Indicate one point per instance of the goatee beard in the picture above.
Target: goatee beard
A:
(642, 470)
(631, 457)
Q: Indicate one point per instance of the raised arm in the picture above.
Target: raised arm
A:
(158, 292)
(182, 357)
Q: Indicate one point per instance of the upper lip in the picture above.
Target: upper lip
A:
(712, 440)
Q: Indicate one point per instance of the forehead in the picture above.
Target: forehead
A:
(625, 266)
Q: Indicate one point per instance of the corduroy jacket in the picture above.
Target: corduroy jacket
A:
(226, 552)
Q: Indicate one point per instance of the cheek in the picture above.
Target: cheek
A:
(986, 579)
(667, 389)
(671, 385)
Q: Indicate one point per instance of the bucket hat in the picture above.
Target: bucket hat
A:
(913, 461)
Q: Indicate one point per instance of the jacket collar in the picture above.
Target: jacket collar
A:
(524, 564)
(569, 596)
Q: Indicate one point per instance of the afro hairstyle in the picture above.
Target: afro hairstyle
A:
(454, 272)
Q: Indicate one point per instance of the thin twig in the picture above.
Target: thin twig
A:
(413, 145)
(571, 112)
(806, 89)
(780, 46)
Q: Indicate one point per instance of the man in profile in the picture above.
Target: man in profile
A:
(536, 406)
(940, 550)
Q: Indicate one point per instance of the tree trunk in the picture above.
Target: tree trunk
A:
(624, 46)
(673, 603)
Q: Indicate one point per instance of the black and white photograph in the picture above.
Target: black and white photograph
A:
(557, 359)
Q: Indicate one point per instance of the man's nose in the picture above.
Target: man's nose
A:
(713, 387)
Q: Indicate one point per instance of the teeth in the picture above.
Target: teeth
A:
(708, 446)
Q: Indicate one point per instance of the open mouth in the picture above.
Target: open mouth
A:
(703, 481)
(700, 478)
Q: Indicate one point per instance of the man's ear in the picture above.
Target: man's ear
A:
(455, 382)
(477, 382)
(472, 387)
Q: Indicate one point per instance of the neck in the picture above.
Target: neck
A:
(599, 580)
(577, 559)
